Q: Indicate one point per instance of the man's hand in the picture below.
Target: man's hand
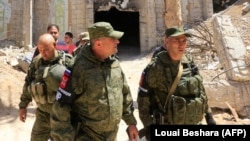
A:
(133, 133)
(22, 114)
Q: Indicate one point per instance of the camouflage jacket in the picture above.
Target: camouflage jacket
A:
(157, 79)
(102, 98)
(46, 73)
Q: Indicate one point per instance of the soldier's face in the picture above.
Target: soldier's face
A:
(176, 46)
(109, 45)
(47, 50)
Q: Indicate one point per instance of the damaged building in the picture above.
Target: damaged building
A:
(143, 21)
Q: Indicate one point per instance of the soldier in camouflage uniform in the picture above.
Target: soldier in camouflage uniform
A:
(84, 40)
(41, 84)
(96, 90)
(188, 104)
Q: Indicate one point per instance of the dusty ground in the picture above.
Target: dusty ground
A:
(12, 79)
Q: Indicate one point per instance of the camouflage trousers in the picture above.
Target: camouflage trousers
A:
(41, 128)
(86, 134)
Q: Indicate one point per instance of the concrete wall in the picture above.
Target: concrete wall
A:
(17, 20)
(193, 10)
(11, 23)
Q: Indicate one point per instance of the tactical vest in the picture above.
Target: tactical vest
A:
(187, 103)
(46, 77)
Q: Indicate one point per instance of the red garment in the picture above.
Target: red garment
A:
(66, 48)
(62, 46)
(71, 48)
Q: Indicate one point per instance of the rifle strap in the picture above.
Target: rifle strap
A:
(174, 85)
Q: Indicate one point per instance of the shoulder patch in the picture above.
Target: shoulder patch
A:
(65, 79)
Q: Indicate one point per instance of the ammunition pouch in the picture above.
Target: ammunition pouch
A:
(38, 91)
(45, 86)
(52, 78)
(186, 110)
(189, 86)
(187, 104)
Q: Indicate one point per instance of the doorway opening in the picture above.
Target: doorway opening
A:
(125, 21)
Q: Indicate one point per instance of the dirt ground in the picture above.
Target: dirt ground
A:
(12, 80)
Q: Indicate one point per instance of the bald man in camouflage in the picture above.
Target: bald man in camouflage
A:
(41, 84)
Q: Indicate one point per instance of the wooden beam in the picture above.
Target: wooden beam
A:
(235, 115)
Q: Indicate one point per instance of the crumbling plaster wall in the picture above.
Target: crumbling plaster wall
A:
(77, 15)
(42, 15)
(11, 23)
(196, 10)
(173, 15)
(69, 15)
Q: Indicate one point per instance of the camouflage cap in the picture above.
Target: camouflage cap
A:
(176, 31)
(103, 29)
(85, 35)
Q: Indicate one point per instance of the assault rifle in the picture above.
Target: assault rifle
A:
(157, 118)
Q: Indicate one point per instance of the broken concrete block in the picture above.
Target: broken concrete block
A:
(235, 93)
(25, 61)
(246, 7)
(230, 48)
